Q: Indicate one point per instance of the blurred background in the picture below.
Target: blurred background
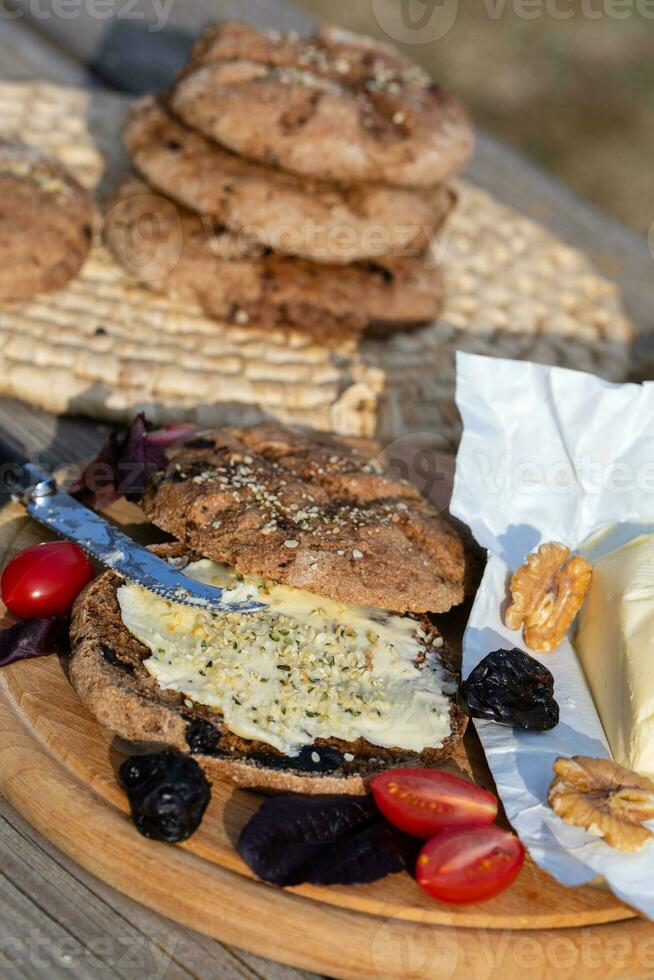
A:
(569, 83)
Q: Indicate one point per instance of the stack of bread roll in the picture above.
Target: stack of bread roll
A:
(249, 238)
(291, 182)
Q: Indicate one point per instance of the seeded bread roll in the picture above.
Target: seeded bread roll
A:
(169, 248)
(106, 669)
(291, 215)
(47, 221)
(334, 107)
(311, 510)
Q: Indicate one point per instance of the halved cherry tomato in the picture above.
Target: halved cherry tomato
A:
(45, 579)
(423, 801)
(460, 866)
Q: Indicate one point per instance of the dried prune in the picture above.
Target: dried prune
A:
(168, 794)
(202, 737)
(311, 758)
(324, 840)
(512, 688)
(112, 658)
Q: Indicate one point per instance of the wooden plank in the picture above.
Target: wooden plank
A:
(82, 33)
(25, 55)
(60, 921)
(141, 47)
(45, 438)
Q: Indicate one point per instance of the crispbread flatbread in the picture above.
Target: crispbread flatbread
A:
(324, 222)
(336, 106)
(105, 347)
(107, 673)
(311, 510)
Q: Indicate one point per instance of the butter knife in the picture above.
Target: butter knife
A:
(51, 506)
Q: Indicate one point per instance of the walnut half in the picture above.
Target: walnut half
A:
(604, 798)
(546, 595)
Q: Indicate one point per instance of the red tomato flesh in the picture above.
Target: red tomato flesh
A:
(45, 579)
(423, 802)
(460, 866)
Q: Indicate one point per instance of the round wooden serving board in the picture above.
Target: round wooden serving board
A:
(58, 768)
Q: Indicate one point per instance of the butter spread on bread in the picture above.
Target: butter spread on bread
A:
(306, 667)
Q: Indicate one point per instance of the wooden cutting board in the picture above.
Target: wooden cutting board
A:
(58, 768)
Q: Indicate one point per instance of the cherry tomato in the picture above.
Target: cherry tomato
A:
(45, 579)
(423, 801)
(461, 866)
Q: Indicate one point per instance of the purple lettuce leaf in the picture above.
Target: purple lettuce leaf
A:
(34, 638)
(320, 840)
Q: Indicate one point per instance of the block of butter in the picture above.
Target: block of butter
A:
(615, 643)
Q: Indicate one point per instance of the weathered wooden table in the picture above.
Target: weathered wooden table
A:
(55, 919)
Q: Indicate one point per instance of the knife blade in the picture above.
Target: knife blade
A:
(105, 542)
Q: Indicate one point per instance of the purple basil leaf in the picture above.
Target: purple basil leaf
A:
(122, 468)
(33, 638)
(321, 840)
(174, 432)
(139, 458)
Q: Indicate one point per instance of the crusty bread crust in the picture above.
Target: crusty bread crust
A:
(312, 510)
(237, 283)
(107, 672)
(317, 220)
(336, 106)
(47, 222)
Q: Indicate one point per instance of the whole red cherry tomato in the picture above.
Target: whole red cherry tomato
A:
(45, 579)
(472, 865)
(424, 801)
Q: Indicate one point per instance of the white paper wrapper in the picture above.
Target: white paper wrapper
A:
(549, 454)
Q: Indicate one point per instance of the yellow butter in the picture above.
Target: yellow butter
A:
(615, 644)
(305, 667)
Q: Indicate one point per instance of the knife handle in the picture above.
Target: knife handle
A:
(39, 485)
(22, 479)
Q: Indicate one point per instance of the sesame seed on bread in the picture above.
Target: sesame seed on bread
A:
(312, 510)
(106, 669)
(335, 106)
